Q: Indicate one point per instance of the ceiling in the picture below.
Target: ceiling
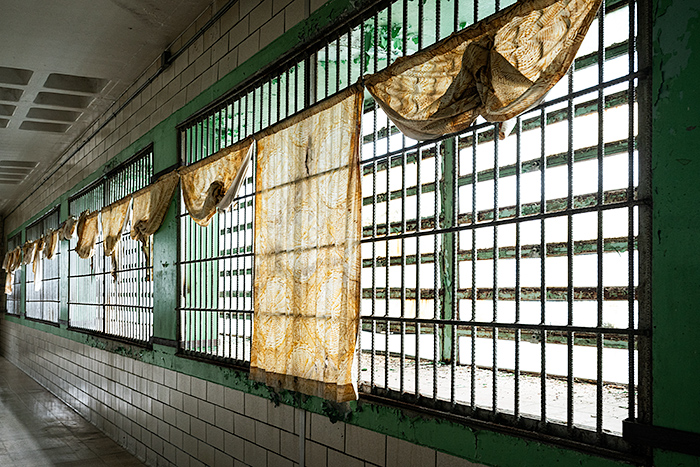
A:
(62, 64)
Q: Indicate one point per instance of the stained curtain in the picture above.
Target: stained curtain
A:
(51, 239)
(307, 246)
(87, 230)
(497, 68)
(28, 250)
(148, 210)
(113, 223)
(212, 183)
(12, 262)
(67, 229)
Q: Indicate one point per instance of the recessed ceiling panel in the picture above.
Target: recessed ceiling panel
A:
(7, 110)
(11, 181)
(21, 164)
(44, 126)
(4, 122)
(75, 83)
(15, 171)
(15, 75)
(52, 114)
(63, 100)
(10, 94)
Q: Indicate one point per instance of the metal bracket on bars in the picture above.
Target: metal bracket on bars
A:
(670, 439)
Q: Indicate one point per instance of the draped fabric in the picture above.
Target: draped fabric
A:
(212, 183)
(307, 263)
(28, 252)
(51, 239)
(113, 223)
(12, 262)
(150, 206)
(148, 210)
(497, 68)
(87, 230)
(67, 230)
(37, 266)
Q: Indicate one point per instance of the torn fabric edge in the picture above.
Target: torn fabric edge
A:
(87, 230)
(494, 86)
(210, 185)
(114, 219)
(321, 365)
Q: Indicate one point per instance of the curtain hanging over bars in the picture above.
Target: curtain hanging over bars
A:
(37, 266)
(28, 252)
(87, 230)
(67, 229)
(12, 262)
(212, 183)
(51, 239)
(307, 244)
(148, 210)
(497, 68)
(113, 223)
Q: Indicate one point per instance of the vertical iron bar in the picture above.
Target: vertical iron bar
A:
(518, 216)
(570, 254)
(543, 288)
(600, 241)
(494, 335)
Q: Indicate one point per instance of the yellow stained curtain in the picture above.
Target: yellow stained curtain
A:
(51, 239)
(212, 183)
(497, 68)
(28, 250)
(12, 262)
(87, 230)
(307, 251)
(148, 210)
(67, 230)
(113, 223)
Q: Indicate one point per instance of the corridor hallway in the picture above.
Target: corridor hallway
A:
(37, 429)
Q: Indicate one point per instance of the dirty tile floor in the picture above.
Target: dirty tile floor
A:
(38, 430)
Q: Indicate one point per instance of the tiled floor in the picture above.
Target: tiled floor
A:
(38, 430)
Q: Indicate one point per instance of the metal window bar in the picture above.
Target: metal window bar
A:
(13, 302)
(119, 305)
(491, 270)
(44, 304)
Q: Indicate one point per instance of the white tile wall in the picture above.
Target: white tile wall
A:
(171, 419)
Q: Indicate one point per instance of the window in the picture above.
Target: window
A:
(498, 276)
(43, 304)
(119, 302)
(13, 301)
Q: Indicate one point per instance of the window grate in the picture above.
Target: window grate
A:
(499, 277)
(117, 303)
(13, 302)
(43, 304)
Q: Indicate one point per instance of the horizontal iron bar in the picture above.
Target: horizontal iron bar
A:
(521, 326)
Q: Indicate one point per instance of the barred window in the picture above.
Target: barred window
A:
(43, 304)
(119, 302)
(13, 302)
(499, 277)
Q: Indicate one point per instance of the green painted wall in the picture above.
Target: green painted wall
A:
(675, 163)
(676, 220)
